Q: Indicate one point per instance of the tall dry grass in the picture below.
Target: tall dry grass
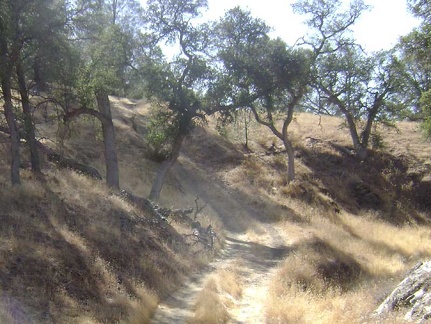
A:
(219, 294)
(349, 247)
(339, 272)
(72, 252)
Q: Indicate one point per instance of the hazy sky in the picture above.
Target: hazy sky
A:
(377, 29)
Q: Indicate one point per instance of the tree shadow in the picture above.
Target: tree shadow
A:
(236, 209)
(337, 268)
(380, 245)
(320, 266)
(209, 149)
(258, 257)
(380, 184)
(42, 265)
(60, 260)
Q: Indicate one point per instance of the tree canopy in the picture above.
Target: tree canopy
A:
(76, 54)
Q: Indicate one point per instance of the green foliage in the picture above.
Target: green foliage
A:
(416, 69)
(257, 69)
(426, 106)
(108, 37)
(426, 126)
(421, 8)
(160, 133)
(377, 141)
(178, 82)
(415, 49)
(363, 88)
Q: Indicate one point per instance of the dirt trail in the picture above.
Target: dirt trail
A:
(259, 261)
(254, 256)
(255, 260)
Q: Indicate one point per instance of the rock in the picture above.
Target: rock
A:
(413, 294)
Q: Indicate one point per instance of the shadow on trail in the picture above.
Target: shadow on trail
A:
(257, 256)
(253, 259)
(236, 209)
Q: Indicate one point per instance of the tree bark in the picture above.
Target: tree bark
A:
(110, 151)
(360, 149)
(28, 120)
(5, 75)
(164, 168)
(290, 160)
(286, 141)
(14, 137)
(283, 135)
(365, 136)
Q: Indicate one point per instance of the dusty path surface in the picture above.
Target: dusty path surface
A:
(253, 246)
(260, 263)
(256, 261)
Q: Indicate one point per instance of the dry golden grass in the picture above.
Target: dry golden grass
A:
(218, 295)
(72, 252)
(229, 282)
(339, 271)
(209, 307)
(355, 229)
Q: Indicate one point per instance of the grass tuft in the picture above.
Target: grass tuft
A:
(209, 306)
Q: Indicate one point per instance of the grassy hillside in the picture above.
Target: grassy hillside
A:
(71, 251)
(354, 228)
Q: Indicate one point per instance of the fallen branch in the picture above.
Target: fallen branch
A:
(198, 209)
(74, 165)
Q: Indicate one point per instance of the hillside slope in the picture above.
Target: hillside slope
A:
(71, 251)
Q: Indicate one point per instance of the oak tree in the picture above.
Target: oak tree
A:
(176, 83)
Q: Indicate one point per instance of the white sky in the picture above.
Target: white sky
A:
(377, 29)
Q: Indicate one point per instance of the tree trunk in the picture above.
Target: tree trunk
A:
(38, 75)
(164, 168)
(361, 151)
(290, 160)
(111, 161)
(14, 137)
(6, 60)
(287, 143)
(28, 120)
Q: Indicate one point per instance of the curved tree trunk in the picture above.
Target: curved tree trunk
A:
(362, 150)
(359, 146)
(110, 151)
(164, 168)
(28, 120)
